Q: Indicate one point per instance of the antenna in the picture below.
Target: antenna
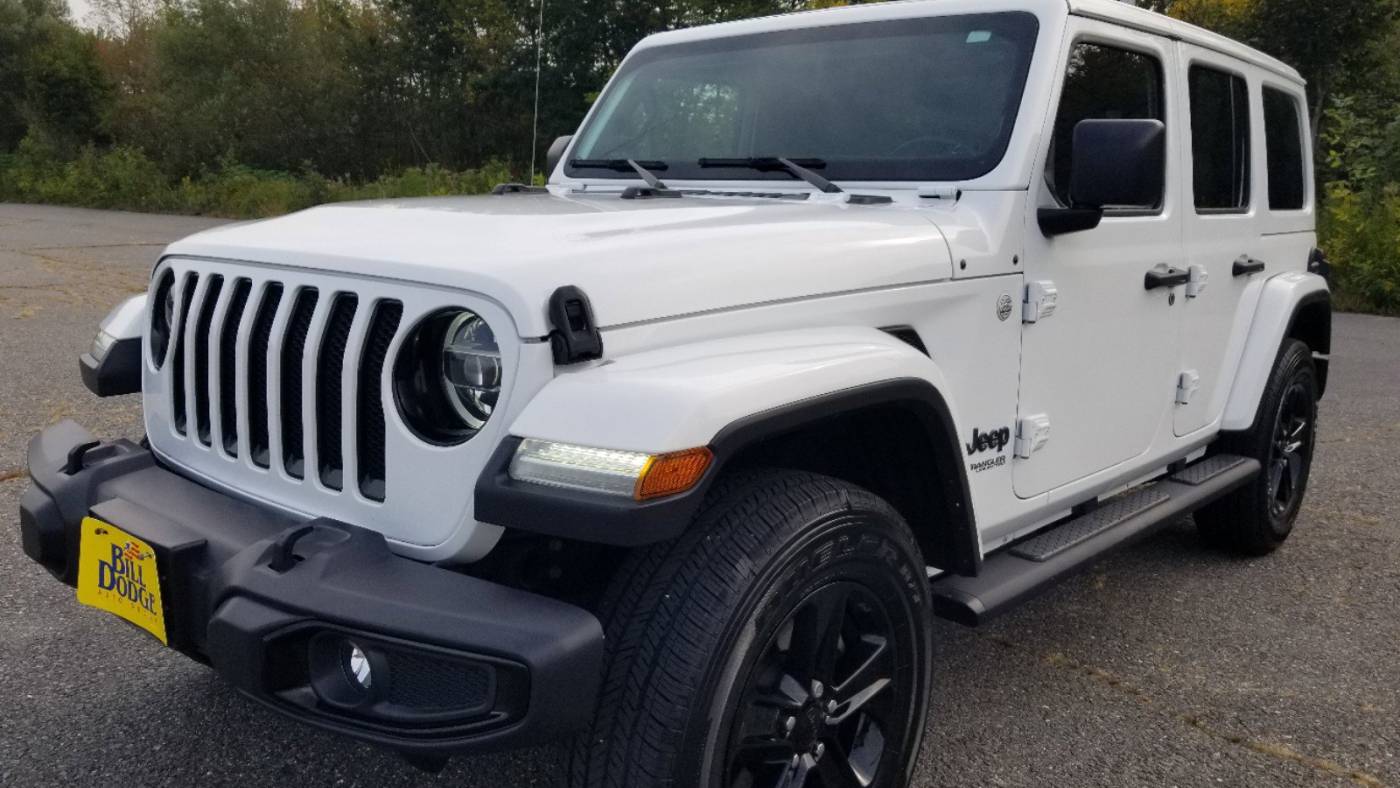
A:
(539, 64)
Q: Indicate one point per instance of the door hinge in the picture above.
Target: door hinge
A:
(1187, 386)
(1041, 301)
(1200, 277)
(1032, 433)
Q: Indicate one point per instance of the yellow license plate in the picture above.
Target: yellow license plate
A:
(117, 573)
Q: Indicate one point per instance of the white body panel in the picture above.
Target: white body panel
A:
(127, 320)
(1277, 303)
(714, 309)
(1103, 367)
(637, 259)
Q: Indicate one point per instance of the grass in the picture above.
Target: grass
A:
(125, 179)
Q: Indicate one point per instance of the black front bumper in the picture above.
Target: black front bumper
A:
(458, 664)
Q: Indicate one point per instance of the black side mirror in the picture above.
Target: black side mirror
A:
(556, 155)
(1116, 163)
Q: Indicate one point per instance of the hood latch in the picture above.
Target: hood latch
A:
(575, 337)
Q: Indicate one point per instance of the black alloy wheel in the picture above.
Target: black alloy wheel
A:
(784, 641)
(824, 698)
(1292, 449)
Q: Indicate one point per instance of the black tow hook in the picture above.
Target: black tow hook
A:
(76, 455)
(283, 558)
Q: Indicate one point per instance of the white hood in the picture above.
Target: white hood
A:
(637, 260)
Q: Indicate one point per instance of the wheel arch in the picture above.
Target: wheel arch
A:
(1292, 306)
(895, 438)
(807, 400)
(1312, 325)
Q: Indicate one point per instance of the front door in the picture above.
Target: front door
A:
(1103, 368)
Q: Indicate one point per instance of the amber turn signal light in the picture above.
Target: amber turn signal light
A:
(670, 474)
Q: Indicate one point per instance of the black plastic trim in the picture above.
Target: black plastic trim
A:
(1322, 345)
(118, 373)
(603, 519)
(241, 582)
(575, 336)
(1166, 276)
(1063, 221)
(1008, 580)
(1248, 266)
(502, 189)
(1319, 264)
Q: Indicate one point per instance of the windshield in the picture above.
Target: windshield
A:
(930, 99)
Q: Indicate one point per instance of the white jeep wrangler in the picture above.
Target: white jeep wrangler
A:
(825, 324)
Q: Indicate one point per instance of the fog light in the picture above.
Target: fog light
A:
(343, 673)
(357, 665)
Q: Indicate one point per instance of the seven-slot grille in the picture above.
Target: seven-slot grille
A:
(309, 400)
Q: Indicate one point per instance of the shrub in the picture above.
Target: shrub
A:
(1361, 233)
(126, 179)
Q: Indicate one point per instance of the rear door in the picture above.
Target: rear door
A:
(1248, 215)
(1102, 370)
(1222, 185)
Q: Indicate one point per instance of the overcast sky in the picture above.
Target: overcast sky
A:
(81, 10)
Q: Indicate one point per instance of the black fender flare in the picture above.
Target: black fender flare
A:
(602, 519)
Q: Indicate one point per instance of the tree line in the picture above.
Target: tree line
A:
(248, 107)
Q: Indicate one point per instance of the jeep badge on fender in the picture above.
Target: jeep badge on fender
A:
(720, 389)
(985, 441)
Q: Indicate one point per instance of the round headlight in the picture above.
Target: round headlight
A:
(471, 364)
(447, 378)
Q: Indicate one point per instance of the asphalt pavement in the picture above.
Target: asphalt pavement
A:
(1166, 665)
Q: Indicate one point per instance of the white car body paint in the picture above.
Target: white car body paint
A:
(714, 309)
(1277, 304)
(637, 259)
(127, 320)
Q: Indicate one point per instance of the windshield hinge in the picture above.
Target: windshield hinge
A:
(647, 192)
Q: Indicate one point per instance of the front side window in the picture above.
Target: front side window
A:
(1103, 83)
(1219, 139)
(1283, 129)
(923, 99)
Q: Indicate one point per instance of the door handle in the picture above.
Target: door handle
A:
(1248, 266)
(1166, 276)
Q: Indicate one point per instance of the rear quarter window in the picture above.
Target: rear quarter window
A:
(1283, 130)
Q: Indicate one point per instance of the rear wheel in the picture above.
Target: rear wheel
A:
(783, 642)
(1258, 518)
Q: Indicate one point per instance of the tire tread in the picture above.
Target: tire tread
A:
(670, 602)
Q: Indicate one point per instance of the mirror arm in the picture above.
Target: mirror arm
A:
(1063, 221)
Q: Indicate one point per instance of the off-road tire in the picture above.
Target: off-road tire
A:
(686, 621)
(1251, 521)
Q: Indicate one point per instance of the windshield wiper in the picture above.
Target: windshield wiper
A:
(777, 164)
(642, 168)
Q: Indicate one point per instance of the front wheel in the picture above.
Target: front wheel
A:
(783, 642)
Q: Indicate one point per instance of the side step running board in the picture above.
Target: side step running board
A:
(1031, 566)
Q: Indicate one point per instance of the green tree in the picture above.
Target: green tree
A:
(254, 81)
(51, 82)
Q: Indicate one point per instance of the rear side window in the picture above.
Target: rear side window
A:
(1283, 128)
(1103, 83)
(1219, 140)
